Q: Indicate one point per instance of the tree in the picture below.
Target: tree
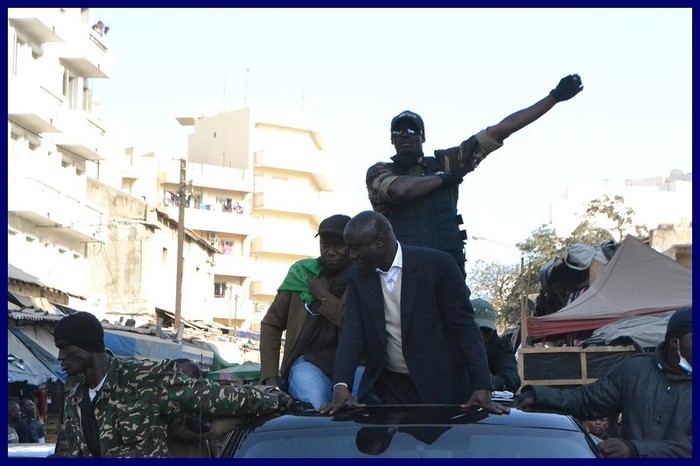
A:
(493, 282)
(503, 286)
(605, 219)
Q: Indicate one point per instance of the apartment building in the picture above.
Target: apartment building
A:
(56, 141)
(256, 186)
(72, 224)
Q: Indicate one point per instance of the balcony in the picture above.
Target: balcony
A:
(48, 207)
(215, 221)
(264, 288)
(270, 245)
(86, 53)
(233, 265)
(33, 107)
(81, 135)
(38, 24)
(316, 164)
(210, 177)
(291, 202)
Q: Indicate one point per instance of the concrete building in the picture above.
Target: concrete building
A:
(137, 264)
(89, 245)
(674, 241)
(97, 225)
(661, 200)
(55, 143)
(256, 190)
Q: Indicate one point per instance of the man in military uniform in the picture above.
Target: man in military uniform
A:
(418, 194)
(121, 408)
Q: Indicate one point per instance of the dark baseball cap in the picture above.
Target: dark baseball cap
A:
(333, 225)
(680, 323)
(484, 313)
(409, 116)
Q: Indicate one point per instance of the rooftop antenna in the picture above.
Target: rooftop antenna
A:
(223, 91)
(245, 92)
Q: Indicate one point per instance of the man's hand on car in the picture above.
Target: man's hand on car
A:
(342, 398)
(482, 398)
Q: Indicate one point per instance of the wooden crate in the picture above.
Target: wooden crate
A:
(568, 365)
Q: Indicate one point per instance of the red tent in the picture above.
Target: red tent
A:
(636, 281)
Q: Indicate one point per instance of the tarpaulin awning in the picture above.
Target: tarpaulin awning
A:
(636, 281)
(27, 362)
(34, 304)
(149, 347)
(644, 332)
(41, 335)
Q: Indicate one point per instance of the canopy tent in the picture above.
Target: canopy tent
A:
(246, 372)
(27, 362)
(636, 281)
(142, 346)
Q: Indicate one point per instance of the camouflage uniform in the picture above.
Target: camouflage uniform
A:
(137, 400)
(430, 220)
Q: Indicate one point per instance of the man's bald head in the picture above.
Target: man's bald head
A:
(371, 240)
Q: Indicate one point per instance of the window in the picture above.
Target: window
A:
(194, 201)
(87, 96)
(70, 88)
(225, 203)
(220, 289)
(228, 247)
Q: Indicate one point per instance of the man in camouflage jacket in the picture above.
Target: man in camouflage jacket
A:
(121, 408)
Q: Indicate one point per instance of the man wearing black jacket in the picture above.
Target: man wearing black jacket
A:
(502, 363)
(653, 391)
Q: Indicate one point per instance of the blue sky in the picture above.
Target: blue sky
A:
(460, 69)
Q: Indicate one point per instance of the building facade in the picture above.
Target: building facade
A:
(661, 200)
(71, 225)
(56, 141)
(255, 188)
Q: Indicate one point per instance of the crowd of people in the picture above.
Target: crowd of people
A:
(355, 321)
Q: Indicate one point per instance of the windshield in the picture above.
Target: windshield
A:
(463, 441)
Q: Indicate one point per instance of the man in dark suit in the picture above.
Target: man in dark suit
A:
(408, 310)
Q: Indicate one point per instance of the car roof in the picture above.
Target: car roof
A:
(30, 450)
(407, 415)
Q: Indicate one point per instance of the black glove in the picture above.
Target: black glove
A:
(455, 177)
(284, 400)
(568, 87)
(524, 400)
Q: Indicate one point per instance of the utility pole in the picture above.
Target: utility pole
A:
(181, 197)
(523, 302)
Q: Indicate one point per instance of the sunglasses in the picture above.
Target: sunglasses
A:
(408, 131)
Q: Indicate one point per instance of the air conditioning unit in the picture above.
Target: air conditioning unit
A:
(211, 235)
